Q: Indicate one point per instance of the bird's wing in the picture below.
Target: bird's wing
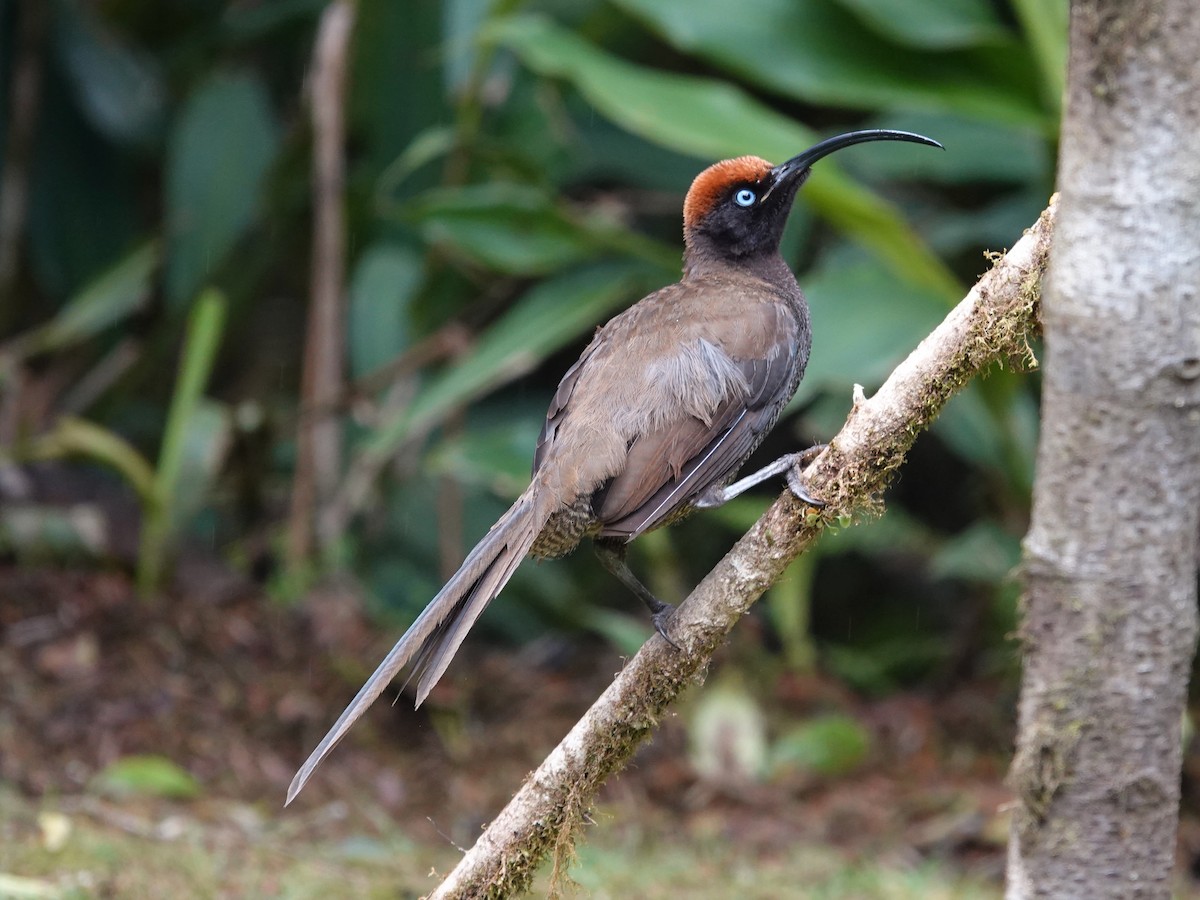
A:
(671, 466)
(558, 405)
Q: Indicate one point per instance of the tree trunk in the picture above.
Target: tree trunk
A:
(1110, 619)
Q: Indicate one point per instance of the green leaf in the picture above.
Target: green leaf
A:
(192, 438)
(985, 552)
(84, 207)
(461, 21)
(398, 89)
(864, 322)
(1045, 25)
(108, 299)
(119, 88)
(147, 776)
(832, 744)
(932, 24)
(627, 633)
(262, 20)
(820, 53)
(206, 437)
(493, 453)
(997, 225)
(976, 152)
(713, 119)
(512, 228)
(885, 663)
(217, 160)
(993, 423)
(71, 436)
(971, 430)
(552, 314)
(384, 282)
(431, 144)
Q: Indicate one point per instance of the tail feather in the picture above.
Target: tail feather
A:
(433, 638)
(444, 645)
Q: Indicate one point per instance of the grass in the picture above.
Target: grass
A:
(87, 847)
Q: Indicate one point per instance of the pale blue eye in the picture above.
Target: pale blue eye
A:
(745, 197)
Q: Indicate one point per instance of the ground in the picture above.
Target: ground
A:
(235, 689)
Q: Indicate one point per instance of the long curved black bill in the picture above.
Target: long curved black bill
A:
(805, 160)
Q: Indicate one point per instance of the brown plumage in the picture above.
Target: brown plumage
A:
(664, 405)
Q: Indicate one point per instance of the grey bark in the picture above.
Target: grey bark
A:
(991, 323)
(1109, 625)
(318, 436)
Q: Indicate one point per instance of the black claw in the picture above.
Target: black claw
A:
(795, 477)
(805, 497)
(660, 618)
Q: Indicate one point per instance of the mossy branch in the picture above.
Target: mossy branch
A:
(993, 323)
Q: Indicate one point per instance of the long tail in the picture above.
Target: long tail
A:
(432, 640)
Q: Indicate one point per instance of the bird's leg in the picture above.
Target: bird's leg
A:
(792, 463)
(611, 552)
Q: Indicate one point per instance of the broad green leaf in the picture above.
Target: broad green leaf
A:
(820, 53)
(864, 322)
(712, 120)
(608, 153)
(461, 21)
(260, 20)
(932, 24)
(494, 452)
(398, 90)
(996, 225)
(627, 633)
(120, 88)
(220, 149)
(993, 424)
(557, 311)
(146, 776)
(431, 144)
(975, 152)
(895, 532)
(971, 430)
(384, 282)
(84, 207)
(511, 228)
(832, 744)
(1045, 25)
(108, 299)
(884, 663)
(985, 552)
(205, 442)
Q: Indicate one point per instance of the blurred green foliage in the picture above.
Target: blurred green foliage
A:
(516, 172)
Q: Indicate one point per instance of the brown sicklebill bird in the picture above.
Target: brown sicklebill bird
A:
(666, 403)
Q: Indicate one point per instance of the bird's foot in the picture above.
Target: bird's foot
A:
(612, 555)
(660, 616)
(795, 475)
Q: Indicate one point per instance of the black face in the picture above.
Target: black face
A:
(750, 217)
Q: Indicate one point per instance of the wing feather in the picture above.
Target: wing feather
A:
(669, 468)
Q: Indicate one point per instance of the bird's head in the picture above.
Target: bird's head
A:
(736, 209)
